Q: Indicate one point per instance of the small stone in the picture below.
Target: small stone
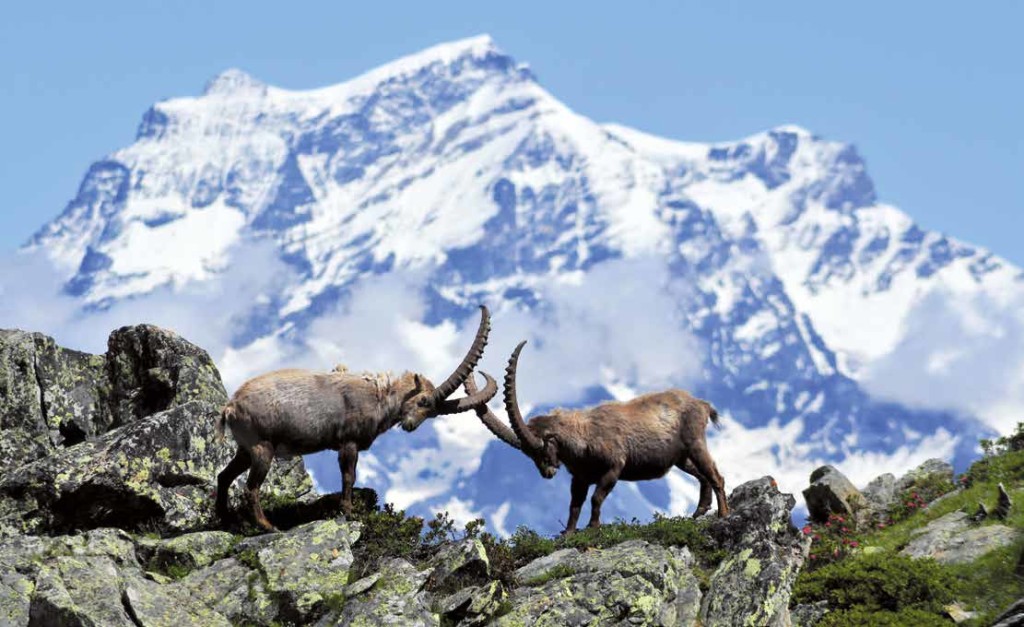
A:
(1005, 504)
(981, 514)
(958, 614)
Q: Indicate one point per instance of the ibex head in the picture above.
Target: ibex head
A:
(541, 448)
(423, 400)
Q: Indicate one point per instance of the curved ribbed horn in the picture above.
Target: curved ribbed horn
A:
(530, 442)
(495, 426)
(469, 362)
(474, 400)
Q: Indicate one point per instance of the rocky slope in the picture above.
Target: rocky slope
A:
(114, 527)
(105, 519)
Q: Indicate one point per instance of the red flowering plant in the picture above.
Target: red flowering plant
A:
(831, 540)
(917, 497)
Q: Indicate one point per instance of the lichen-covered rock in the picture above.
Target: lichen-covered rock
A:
(185, 552)
(153, 605)
(753, 584)
(396, 598)
(156, 472)
(15, 597)
(631, 583)
(952, 539)
(930, 469)
(474, 605)
(153, 472)
(808, 614)
(52, 397)
(232, 589)
(49, 397)
(468, 557)
(541, 567)
(831, 492)
(152, 370)
(79, 591)
(308, 566)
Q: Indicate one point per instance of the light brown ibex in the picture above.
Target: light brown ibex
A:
(297, 412)
(632, 441)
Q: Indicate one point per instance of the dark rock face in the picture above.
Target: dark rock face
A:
(831, 492)
(152, 370)
(49, 397)
(53, 398)
(124, 439)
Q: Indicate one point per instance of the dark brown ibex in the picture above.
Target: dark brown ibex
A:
(632, 441)
(297, 412)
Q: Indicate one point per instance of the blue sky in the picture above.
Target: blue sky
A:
(931, 94)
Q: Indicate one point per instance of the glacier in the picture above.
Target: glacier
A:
(764, 274)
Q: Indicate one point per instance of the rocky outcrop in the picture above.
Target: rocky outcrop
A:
(125, 439)
(106, 519)
(831, 492)
(302, 576)
(52, 397)
(952, 539)
(765, 554)
(932, 469)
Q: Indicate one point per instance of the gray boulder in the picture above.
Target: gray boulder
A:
(631, 583)
(395, 597)
(952, 539)
(1013, 616)
(932, 468)
(831, 492)
(125, 439)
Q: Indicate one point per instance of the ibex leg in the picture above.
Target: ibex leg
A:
(262, 456)
(702, 460)
(235, 467)
(348, 456)
(704, 504)
(604, 486)
(579, 494)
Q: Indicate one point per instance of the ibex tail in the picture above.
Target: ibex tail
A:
(225, 415)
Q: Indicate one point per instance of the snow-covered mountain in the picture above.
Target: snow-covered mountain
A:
(764, 274)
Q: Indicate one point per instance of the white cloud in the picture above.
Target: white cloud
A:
(743, 454)
(959, 353)
(207, 313)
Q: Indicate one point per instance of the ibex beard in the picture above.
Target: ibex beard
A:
(633, 441)
(298, 412)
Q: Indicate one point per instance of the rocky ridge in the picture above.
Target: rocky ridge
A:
(115, 528)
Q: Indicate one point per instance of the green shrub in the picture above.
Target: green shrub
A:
(878, 582)
(867, 618)
(1005, 444)
(386, 533)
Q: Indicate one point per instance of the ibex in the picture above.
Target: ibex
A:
(297, 412)
(632, 441)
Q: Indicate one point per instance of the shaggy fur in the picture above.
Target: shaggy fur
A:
(297, 412)
(633, 441)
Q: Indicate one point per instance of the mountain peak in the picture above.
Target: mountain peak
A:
(233, 81)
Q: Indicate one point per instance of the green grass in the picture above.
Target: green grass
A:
(558, 572)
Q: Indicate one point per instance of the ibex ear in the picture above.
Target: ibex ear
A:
(425, 401)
